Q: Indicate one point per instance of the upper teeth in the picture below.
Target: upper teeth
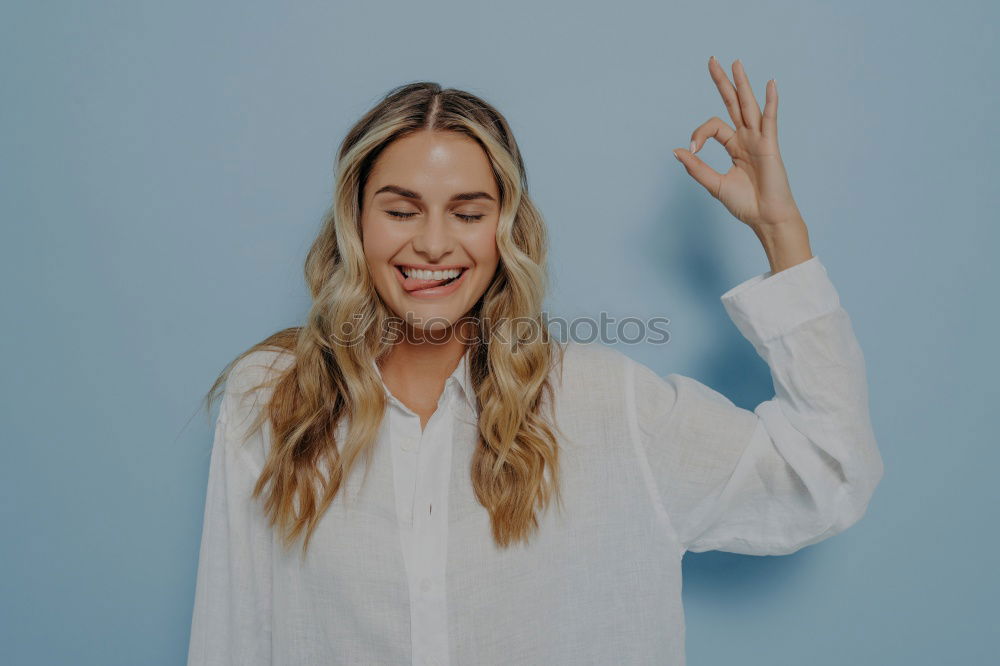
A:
(431, 275)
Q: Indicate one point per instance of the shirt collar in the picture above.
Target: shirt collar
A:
(461, 377)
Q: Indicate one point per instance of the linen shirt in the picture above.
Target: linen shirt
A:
(402, 568)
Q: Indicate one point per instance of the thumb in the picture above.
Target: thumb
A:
(708, 177)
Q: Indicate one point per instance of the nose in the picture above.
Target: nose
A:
(433, 238)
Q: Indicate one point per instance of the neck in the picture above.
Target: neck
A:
(417, 361)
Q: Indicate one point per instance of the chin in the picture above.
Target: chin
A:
(430, 319)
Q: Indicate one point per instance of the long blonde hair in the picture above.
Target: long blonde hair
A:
(327, 382)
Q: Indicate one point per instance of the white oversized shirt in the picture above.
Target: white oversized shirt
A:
(403, 568)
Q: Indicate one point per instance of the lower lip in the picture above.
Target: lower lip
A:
(434, 292)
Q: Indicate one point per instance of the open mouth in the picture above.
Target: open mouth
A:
(426, 281)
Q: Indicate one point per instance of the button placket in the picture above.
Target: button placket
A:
(429, 607)
(405, 447)
(409, 442)
(422, 474)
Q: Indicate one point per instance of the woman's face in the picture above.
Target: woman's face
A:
(431, 204)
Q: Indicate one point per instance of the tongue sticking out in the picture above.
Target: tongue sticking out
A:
(414, 284)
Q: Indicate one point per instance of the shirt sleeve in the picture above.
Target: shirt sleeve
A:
(797, 469)
(231, 622)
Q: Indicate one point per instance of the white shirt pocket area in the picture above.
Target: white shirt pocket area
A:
(800, 467)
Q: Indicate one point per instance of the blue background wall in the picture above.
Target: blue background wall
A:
(165, 167)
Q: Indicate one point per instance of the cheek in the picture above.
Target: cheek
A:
(484, 246)
(377, 243)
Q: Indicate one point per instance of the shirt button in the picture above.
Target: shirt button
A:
(425, 585)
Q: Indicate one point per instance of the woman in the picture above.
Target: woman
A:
(424, 354)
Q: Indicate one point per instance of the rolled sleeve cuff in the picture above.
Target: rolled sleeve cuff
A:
(772, 304)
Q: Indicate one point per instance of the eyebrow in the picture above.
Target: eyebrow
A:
(410, 194)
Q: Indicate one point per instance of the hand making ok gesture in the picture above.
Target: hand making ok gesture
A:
(755, 190)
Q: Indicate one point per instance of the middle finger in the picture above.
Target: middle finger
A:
(748, 103)
(727, 91)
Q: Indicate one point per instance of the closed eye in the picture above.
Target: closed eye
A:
(464, 218)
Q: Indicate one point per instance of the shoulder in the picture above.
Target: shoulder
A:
(591, 366)
(259, 367)
(597, 360)
(609, 372)
(251, 380)
(592, 355)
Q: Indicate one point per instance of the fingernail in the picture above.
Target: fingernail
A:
(694, 148)
(677, 156)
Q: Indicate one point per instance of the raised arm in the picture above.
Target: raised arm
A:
(797, 469)
(804, 465)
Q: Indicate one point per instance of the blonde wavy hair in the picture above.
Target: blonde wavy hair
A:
(328, 381)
